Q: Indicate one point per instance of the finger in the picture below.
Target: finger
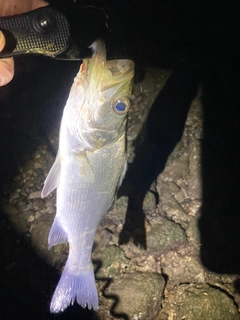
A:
(6, 70)
(38, 4)
(11, 7)
(2, 41)
(6, 65)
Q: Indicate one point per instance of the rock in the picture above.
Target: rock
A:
(20, 222)
(179, 185)
(113, 260)
(121, 203)
(135, 295)
(149, 202)
(39, 239)
(165, 235)
(38, 204)
(204, 302)
(9, 210)
(50, 205)
(182, 267)
(51, 209)
(35, 195)
(15, 195)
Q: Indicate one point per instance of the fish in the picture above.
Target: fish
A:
(89, 168)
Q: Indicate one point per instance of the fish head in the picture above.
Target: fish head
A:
(105, 89)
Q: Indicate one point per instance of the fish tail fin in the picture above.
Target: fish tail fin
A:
(71, 287)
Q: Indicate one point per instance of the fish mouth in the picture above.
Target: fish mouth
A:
(120, 67)
(119, 72)
(107, 73)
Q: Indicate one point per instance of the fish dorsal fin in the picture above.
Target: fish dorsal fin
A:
(122, 175)
(119, 184)
(56, 235)
(53, 177)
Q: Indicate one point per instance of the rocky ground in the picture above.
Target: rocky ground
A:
(166, 280)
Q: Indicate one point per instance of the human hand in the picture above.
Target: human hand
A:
(8, 8)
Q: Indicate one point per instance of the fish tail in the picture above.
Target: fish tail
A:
(71, 287)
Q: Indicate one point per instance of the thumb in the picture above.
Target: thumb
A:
(6, 65)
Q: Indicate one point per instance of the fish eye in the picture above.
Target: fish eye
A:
(121, 105)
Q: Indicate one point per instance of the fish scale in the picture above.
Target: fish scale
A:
(89, 167)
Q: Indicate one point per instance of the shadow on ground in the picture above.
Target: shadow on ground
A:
(205, 46)
(161, 133)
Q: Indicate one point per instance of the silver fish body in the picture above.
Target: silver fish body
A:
(89, 167)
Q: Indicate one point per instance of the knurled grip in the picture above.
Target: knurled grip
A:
(45, 31)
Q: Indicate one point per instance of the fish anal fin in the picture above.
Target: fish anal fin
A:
(56, 235)
(52, 180)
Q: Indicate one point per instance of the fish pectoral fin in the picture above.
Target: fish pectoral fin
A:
(85, 168)
(52, 180)
(56, 235)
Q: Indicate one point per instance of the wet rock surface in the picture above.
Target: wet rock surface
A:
(135, 295)
(201, 302)
(165, 281)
